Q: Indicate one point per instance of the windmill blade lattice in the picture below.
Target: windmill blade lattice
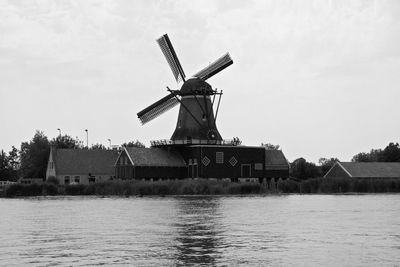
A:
(215, 67)
(172, 59)
(158, 108)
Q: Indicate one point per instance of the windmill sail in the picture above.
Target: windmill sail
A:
(172, 59)
(158, 108)
(214, 67)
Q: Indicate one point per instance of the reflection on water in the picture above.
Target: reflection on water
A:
(292, 230)
(199, 230)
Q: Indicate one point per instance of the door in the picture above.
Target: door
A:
(190, 171)
(246, 170)
(195, 170)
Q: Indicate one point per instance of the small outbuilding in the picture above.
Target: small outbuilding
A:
(149, 164)
(365, 170)
(81, 166)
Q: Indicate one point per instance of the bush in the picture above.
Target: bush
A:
(49, 189)
(52, 180)
(15, 190)
(75, 190)
(207, 187)
(288, 186)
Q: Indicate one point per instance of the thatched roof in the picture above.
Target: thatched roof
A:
(78, 161)
(157, 157)
(372, 169)
(275, 159)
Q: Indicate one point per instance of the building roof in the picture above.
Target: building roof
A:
(141, 156)
(371, 169)
(78, 161)
(275, 159)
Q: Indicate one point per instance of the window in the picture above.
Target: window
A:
(219, 157)
(233, 161)
(77, 179)
(205, 161)
(258, 166)
(92, 179)
(66, 180)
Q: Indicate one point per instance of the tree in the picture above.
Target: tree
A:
(270, 146)
(326, 164)
(3, 166)
(34, 155)
(374, 155)
(136, 143)
(9, 165)
(391, 153)
(65, 141)
(302, 169)
(98, 146)
(13, 163)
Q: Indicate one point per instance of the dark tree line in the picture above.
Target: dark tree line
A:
(9, 164)
(31, 159)
(391, 153)
(302, 169)
(136, 143)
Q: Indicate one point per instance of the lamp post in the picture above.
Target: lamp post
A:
(59, 131)
(109, 140)
(87, 138)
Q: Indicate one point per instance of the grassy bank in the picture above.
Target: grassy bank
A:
(334, 186)
(206, 187)
(132, 188)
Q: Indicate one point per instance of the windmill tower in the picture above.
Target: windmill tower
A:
(196, 148)
(196, 120)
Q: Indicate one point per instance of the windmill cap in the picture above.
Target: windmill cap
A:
(196, 86)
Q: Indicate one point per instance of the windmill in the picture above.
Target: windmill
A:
(196, 121)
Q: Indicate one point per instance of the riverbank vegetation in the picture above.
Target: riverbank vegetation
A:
(208, 187)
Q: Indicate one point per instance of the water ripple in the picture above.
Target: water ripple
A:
(354, 230)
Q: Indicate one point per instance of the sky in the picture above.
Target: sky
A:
(318, 77)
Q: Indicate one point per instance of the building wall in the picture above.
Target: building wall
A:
(159, 172)
(143, 172)
(277, 173)
(30, 181)
(83, 178)
(225, 162)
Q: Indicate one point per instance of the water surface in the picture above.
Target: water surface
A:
(289, 230)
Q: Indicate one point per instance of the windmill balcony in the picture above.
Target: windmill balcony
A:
(224, 142)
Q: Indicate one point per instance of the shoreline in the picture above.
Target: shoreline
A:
(203, 187)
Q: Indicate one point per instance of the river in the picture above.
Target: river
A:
(285, 230)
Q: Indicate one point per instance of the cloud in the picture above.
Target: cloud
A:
(298, 65)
